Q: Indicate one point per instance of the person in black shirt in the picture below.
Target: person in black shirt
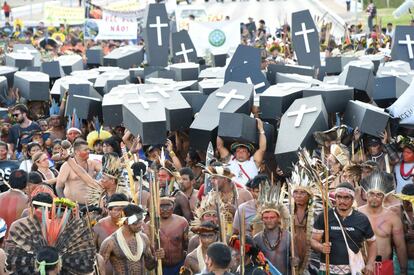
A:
(218, 259)
(21, 132)
(357, 230)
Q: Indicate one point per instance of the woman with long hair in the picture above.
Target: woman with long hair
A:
(31, 149)
(41, 166)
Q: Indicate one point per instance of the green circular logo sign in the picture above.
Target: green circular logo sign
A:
(217, 38)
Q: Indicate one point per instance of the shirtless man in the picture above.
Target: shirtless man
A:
(14, 201)
(407, 216)
(71, 180)
(227, 195)
(274, 241)
(208, 233)
(72, 134)
(388, 230)
(303, 220)
(182, 205)
(108, 225)
(249, 207)
(174, 237)
(128, 249)
(57, 131)
(206, 212)
(187, 186)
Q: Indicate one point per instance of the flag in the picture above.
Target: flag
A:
(215, 37)
(403, 107)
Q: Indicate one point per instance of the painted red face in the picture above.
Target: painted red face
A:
(408, 155)
(84, 153)
(163, 176)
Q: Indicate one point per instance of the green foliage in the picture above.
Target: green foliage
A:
(383, 3)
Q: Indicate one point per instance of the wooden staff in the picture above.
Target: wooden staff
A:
(155, 220)
(242, 241)
(325, 217)
(292, 229)
(130, 178)
(140, 188)
(152, 213)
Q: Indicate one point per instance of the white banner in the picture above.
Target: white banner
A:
(216, 37)
(403, 108)
(110, 30)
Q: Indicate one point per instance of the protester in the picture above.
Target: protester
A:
(274, 239)
(117, 248)
(218, 258)
(21, 133)
(388, 227)
(118, 167)
(14, 197)
(195, 261)
(405, 211)
(342, 218)
(41, 166)
(6, 9)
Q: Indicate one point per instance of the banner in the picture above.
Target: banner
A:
(403, 108)
(6, 167)
(55, 15)
(215, 37)
(114, 16)
(110, 30)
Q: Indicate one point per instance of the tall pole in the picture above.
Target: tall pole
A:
(356, 11)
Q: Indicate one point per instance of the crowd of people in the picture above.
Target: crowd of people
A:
(84, 198)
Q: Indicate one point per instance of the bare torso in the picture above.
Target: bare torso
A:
(121, 265)
(174, 239)
(103, 229)
(278, 256)
(191, 262)
(12, 204)
(75, 189)
(193, 243)
(302, 245)
(382, 224)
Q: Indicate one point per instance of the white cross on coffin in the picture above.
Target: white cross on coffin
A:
(227, 97)
(305, 33)
(158, 25)
(159, 90)
(143, 101)
(300, 113)
(257, 86)
(120, 95)
(27, 50)
(184, 52)
(409, 44)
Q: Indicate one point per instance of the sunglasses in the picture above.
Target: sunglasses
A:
(15, 115)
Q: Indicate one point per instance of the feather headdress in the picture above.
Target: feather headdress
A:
(378, 181)
(54, 108)
(271, 198)
(71, 237)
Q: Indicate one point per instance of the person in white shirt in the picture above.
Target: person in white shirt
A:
(243, 163)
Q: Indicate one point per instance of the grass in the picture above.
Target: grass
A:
(385, 16)
(383, 3)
